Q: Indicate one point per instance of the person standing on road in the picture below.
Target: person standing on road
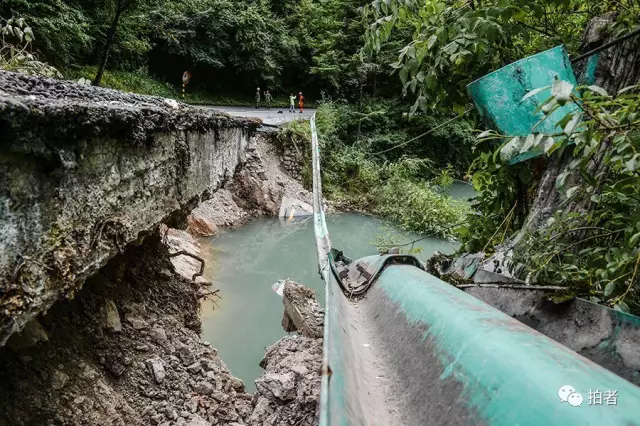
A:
(257, 97)
(292, 103)
(301, 102)
(267, 98)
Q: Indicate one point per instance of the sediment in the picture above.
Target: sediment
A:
(124, 351)
(288, 392)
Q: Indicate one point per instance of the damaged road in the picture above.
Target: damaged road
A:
(99, 319)
(126, 351)
(85, 171)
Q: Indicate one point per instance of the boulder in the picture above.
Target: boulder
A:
(202, 226)
(136, 322)
(185, 354)
(198, 421)
(280, 387)
(158, 334)
(302, 312)
(237, 384)
(111, 316)
(204, 388)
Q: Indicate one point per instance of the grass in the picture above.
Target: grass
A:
(142, 83)
(134, 82)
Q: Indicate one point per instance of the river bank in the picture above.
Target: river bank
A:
(117, 342)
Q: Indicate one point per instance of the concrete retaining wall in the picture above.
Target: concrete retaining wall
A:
(85, 171)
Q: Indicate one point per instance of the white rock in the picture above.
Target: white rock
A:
(157, 369)
(198, 421)
(158, 334)
(280, 386)
(171, 103)
(135, 321)
(111, 316)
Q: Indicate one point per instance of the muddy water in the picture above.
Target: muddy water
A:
(244, 263)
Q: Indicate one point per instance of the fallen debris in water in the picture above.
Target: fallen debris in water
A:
(288, 392)
(302, 312)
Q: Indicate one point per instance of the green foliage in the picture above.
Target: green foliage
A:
(139, 81)
(403, 191)
(61, 31)
(419, 206)
(15, 45)
(456, 42)
(591, 243)
(595, 250)
(127, 81)
(229, 46)
(504, 194)
(390, 240)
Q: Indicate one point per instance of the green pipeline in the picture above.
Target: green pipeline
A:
(510, 374)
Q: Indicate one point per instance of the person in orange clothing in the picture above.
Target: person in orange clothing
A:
(301, 102)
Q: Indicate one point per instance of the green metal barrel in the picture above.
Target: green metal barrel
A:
(498, 96)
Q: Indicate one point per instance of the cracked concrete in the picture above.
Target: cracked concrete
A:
(85, 171)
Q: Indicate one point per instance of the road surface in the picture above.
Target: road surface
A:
(270, 117)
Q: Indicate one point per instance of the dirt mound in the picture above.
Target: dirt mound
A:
(124, 351)
(256, 189)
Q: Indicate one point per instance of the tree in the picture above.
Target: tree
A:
(120, 8)
(456, 42)
(61, 30)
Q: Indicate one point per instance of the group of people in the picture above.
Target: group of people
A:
(292, 100)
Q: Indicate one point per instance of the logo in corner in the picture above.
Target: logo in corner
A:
(569, 395)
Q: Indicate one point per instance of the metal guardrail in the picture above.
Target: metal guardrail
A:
(416, 350)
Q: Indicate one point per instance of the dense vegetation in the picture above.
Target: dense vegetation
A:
(408, 189)
(386, 72)
(591, 243)
(229, 46)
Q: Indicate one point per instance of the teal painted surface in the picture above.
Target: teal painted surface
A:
(333, 401)
(498, 95)
(511, 374)
(335, 412)
(588, 76)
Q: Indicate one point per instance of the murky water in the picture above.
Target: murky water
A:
(243, 263)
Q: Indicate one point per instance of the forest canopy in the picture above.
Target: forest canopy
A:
(228, 46)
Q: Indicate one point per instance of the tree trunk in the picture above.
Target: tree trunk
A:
(111, 35)
(617, 67)
(359, 110)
